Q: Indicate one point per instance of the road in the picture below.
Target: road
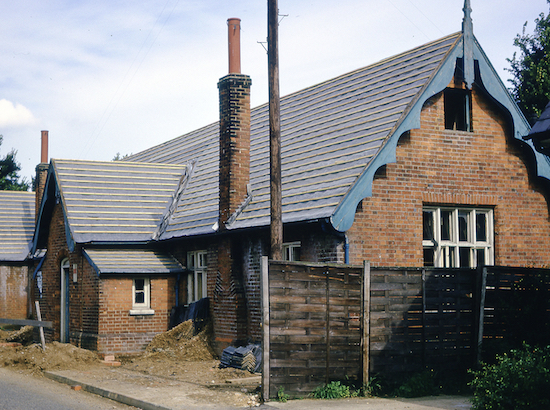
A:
(25, 392)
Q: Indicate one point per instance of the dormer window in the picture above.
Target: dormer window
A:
(458, 112)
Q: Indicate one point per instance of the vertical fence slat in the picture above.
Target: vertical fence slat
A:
(365, 314)
(481, 315)
(424, 341)
(327, 364)
(264, 274)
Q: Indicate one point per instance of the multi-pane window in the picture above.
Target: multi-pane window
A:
(141, 297)
(457, 237)
(291, 251)
(196, 278)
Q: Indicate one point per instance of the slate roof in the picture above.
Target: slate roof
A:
(16, 224)
(542, 126)
(132, 261)
(113, 201)
(329, 134)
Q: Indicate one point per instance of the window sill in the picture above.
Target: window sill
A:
(142, 312)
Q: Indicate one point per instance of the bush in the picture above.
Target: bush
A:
(418, 385)
(518, 380)
(333, 390)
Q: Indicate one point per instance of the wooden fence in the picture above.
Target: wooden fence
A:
(340, 322)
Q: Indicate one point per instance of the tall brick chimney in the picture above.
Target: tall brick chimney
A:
(41, 171)
(234, 91)
(229, 303)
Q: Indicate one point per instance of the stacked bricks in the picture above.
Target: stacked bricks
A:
(435, 166)
(234, 174)
(230, 315)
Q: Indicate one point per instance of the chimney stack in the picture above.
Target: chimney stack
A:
(41, 172)
(234, 91)
(44, 150)
(234, 37)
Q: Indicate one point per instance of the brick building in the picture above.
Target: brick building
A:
(418, 160)
(16, 230)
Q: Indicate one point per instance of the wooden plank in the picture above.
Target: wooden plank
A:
(365, 337)
(264, 278)
(26, 322)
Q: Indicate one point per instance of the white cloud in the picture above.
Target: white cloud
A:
(15, 115)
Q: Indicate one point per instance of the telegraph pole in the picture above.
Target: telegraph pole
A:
(276, 231)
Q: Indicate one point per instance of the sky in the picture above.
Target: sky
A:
(120, 76)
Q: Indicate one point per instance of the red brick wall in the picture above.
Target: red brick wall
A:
(14, 291)
(444, 167)
(99, 309)
(121, 332)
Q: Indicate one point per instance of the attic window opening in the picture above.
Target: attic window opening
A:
(458, 110)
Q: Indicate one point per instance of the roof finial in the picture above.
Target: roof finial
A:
(468, 38)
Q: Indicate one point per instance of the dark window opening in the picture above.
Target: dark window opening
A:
(457, 110)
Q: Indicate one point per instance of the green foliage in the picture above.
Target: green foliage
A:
(281, 395)
(518, 380)
(119, 157)
(9, 177)
(373, 387)
(531, 69)
(333, 390)
(418, 385)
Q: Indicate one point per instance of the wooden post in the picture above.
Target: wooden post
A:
(41, 329)
(481, 319)
(365, 338)
(274, 130)
(423, 318)
(327, 339)
(264, 284)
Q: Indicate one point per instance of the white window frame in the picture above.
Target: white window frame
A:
(288, 251)
(196, 265)
(448, 250)
(142, 308)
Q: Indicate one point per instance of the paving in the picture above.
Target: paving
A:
(156, 393)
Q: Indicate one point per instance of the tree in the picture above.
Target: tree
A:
(531, 69)
(9, 168)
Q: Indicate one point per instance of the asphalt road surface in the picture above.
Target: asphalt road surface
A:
(25, 392)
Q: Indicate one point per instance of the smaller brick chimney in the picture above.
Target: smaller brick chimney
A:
(41, 172)
(234, 91)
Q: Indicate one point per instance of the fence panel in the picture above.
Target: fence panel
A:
(315, 325)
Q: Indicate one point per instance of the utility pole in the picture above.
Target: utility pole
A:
(276, 231)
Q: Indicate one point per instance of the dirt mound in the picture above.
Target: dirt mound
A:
(181, 343)
(23, 335)
(58, 356)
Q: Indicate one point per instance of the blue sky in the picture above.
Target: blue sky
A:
(121, 76)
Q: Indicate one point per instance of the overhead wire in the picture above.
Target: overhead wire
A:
(125, 84)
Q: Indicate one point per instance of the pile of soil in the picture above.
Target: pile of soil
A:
(57, 356)
(181, 343)
(177, 354)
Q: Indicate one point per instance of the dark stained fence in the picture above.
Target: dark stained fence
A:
(340, 322)
(315, 326)
(422, 318)
(517, 309)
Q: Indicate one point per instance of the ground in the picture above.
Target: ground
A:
(177, 354)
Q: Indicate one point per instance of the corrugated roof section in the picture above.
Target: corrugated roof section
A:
(330, 132)
(16, 224)
(132, 261)
(115, 201)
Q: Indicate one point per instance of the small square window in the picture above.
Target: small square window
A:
(291, 251)
(141, 297)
